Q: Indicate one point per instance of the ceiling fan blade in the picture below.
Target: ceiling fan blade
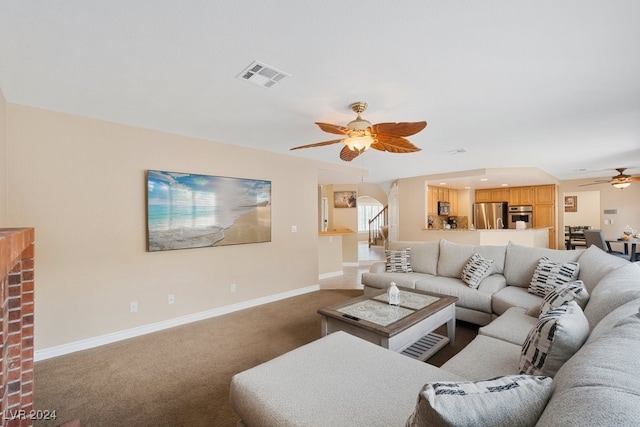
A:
(328, 127)
(394, 144)
(635, 178)
(594, 183)
(398, 129)
(347, 154)
(317, 144)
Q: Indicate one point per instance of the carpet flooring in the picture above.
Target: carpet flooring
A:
(181, 376)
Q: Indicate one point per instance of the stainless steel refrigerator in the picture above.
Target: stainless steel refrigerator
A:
(490, 215)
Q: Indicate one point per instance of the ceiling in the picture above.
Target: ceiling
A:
(549, 86)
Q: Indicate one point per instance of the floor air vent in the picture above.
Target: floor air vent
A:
(426, 346)
(262, 75)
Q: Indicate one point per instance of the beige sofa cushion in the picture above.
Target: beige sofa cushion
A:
(424, 255)
(475, 299)
(521, 262)
(615, 289)
(454, 256)
(595, 264)
(513, 326)
(485, 357)
(515, 296)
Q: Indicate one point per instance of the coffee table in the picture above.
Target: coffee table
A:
(407, 328)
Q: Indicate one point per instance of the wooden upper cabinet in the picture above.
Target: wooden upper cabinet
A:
(499, 194)
(545, 195)
(483, 196)
(521, 196)
(453, 200)
(432, 201)
(441, 194)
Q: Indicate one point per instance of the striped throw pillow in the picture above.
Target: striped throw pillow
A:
(398, 261)
(557, 335)
(563, 294)
(512, 400)
(476, 269)
(549, 274)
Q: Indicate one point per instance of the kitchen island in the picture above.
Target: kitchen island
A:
(536, 237)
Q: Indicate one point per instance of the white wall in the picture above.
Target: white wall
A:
(587, 212)
(81, 183)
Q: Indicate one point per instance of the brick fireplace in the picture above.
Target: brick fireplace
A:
(16, 316)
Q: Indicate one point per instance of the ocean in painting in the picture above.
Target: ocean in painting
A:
(192, 211)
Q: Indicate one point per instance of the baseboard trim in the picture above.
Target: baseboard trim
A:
(330, 274)
(350, 264)
(60, 350)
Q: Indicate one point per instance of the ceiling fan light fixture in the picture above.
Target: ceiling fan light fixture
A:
(359, 143)
(621, 185)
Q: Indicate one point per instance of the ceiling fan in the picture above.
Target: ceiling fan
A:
(359, 135)
(621, 181)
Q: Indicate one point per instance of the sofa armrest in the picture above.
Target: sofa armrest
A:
(378, 267)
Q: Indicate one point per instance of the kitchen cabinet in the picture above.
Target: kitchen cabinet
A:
(432, 201)
(483, 196)
(441, 194)
(520, 196)
(453, 199)
(545, 194)
(492, 195)
(499, 194)
(544, 210)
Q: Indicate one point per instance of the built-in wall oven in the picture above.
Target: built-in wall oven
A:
(520, 213)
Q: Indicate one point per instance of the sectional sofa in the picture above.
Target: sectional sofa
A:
(587, 330)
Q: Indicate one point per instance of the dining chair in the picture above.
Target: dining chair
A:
(596, 238)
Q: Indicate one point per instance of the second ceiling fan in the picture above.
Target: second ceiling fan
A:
(359, 135)
(621, 181)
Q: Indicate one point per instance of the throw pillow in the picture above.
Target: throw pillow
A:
(561, 295)
(557, 335)
(476, 269)
(549, 274)
(398, 261)
(503, 401)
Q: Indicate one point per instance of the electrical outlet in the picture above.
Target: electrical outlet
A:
(133, 307)
(172, 298)
(233, 287)
(294, 228)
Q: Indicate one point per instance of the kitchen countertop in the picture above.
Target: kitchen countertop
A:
(536, 237)
(336, 232)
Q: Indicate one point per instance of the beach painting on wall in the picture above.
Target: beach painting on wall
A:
(186, 210)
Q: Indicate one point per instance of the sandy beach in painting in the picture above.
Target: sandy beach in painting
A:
(253, 227)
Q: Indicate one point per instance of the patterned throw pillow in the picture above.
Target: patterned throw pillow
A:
(549, 274)
(558, 334)
(561, 295)
(476, 269)
(513, 400)
(398, 261)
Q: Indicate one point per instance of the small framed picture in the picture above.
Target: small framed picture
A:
(344, 199)
(571, 203)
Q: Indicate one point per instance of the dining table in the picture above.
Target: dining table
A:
(630, 246)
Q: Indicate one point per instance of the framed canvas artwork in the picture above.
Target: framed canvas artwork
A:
(187, 210)
(344, 199)
(571, 203)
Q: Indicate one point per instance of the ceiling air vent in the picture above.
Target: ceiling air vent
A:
(262, 75)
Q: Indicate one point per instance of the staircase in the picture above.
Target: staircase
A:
(378, 228)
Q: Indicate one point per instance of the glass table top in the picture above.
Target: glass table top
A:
(378, 310)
